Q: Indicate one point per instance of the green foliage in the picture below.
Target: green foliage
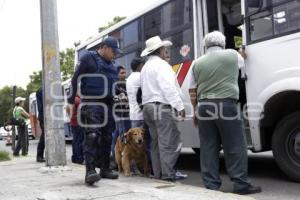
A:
(4, 156)
(35, 82)
(115, 20)
(6, 99)
(6, 102)
(67, 63)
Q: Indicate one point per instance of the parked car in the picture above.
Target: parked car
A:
(4, 133)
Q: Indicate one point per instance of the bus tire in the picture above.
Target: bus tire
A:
(283, 141)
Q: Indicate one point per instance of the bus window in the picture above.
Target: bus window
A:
(126, 61)
(131, 34)
(182, 48)
(273, 19)
(261, 26)
(152, 24)
(212, 15)
(177, 13)
(287, 17)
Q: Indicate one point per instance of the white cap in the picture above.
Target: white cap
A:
(19, 99)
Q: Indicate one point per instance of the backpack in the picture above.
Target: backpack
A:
(15, 122)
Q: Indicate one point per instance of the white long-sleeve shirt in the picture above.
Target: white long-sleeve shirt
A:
(159, 83)
(133, 83)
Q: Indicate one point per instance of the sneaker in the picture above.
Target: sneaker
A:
(109, 174)
(248, 190)
(180, 176)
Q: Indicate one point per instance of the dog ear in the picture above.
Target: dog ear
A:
(127, 136)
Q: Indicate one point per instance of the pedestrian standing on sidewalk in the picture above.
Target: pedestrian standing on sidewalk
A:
(20, 114)
(161, 100)
(41, 144)
(214, 86)
(96, 74)
(77, 133)
(121, 107)
(133, 84)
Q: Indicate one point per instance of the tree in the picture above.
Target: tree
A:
(67, 63)
(115, 20)
(6, 102)
(35, 82)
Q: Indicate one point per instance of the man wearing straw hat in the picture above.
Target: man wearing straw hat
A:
(161, 103)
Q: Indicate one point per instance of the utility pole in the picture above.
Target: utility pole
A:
(53, 101)
(13, 137)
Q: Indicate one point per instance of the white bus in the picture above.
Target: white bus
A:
(270, 30)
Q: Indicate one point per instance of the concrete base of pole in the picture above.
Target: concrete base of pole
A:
(54, 169)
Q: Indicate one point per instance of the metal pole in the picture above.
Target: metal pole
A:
(53, 102)
(13, 136)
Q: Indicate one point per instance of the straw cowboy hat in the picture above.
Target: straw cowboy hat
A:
(154, 43)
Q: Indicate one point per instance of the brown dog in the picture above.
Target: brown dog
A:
(132, 150)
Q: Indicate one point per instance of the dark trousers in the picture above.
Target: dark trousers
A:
(97, 144)
(41, 144)
(220, 123)
(77, 144)
(22, 142)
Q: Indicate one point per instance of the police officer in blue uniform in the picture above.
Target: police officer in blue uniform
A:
(97, 73)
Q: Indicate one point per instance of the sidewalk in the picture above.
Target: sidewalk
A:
(24, 179)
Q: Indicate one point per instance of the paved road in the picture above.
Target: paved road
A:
(263, 171)
(262, 168)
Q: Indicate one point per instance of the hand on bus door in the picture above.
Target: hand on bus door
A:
(243, 52)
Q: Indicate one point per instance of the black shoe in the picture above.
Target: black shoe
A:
(91, 177)
(171, 180)
(113, 165)
(16, 154)
(40, 159)
(248, 190)
(78, 162)
(108, 173)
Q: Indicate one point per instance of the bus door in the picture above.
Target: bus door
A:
(212, 15)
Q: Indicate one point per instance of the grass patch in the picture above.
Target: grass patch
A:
(4, 156)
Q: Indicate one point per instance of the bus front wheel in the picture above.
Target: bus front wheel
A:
(283, 145)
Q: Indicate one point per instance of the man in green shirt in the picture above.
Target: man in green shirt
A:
(214, 87)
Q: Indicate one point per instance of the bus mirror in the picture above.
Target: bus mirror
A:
(255, 3)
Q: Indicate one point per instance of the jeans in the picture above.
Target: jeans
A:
(122, 126)
(220, 123)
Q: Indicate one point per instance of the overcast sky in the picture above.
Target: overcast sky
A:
(20, 41)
